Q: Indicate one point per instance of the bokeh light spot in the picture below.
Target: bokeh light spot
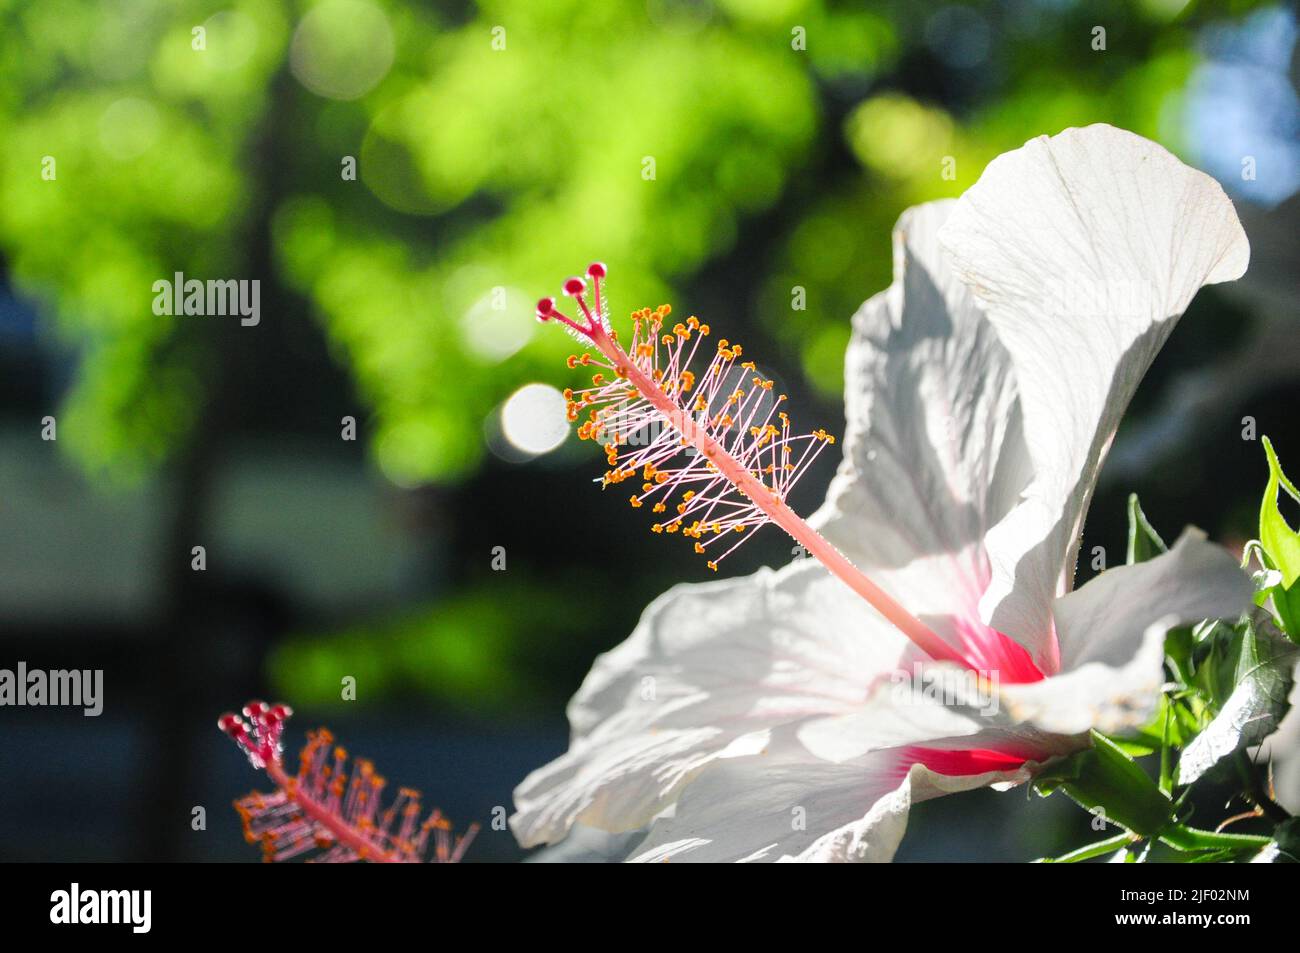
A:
(533, 419)
(232, 40)
(499, 324)
(342, 49)
(897, 136)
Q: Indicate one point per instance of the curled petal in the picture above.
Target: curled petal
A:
(1083, 248)
(1112, 636)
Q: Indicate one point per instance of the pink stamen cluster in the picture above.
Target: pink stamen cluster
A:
(712, 436)
(329, 807)
(654, 412)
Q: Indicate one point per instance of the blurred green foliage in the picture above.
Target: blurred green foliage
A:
(500, 146)
(485, 651)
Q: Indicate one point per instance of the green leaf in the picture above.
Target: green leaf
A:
(1216, 667)
(1253, 710)
(1167, 726)
(1279, 540)
(1166, 754)
(1286, 602)
(1179, 647)
(1140, 744)
(1143, 541)
(1269, 585)
(1104, 778)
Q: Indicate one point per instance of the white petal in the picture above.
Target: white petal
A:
(1112, 634)
(899, 711)
(1195, 580)
(586, 845)
(1109, 698)
(785, 806)
(1083, 248)
(875, 838)
(759, 809)
(943, 708)
(930, 410)
(707, 671)
(1283, 749)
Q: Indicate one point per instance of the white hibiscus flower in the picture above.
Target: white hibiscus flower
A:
(778, 716)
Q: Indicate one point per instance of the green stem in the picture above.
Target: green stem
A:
(1181, 837)
(1166, 756)
(1092, 850)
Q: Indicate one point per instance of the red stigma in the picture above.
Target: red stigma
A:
(591, 319)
